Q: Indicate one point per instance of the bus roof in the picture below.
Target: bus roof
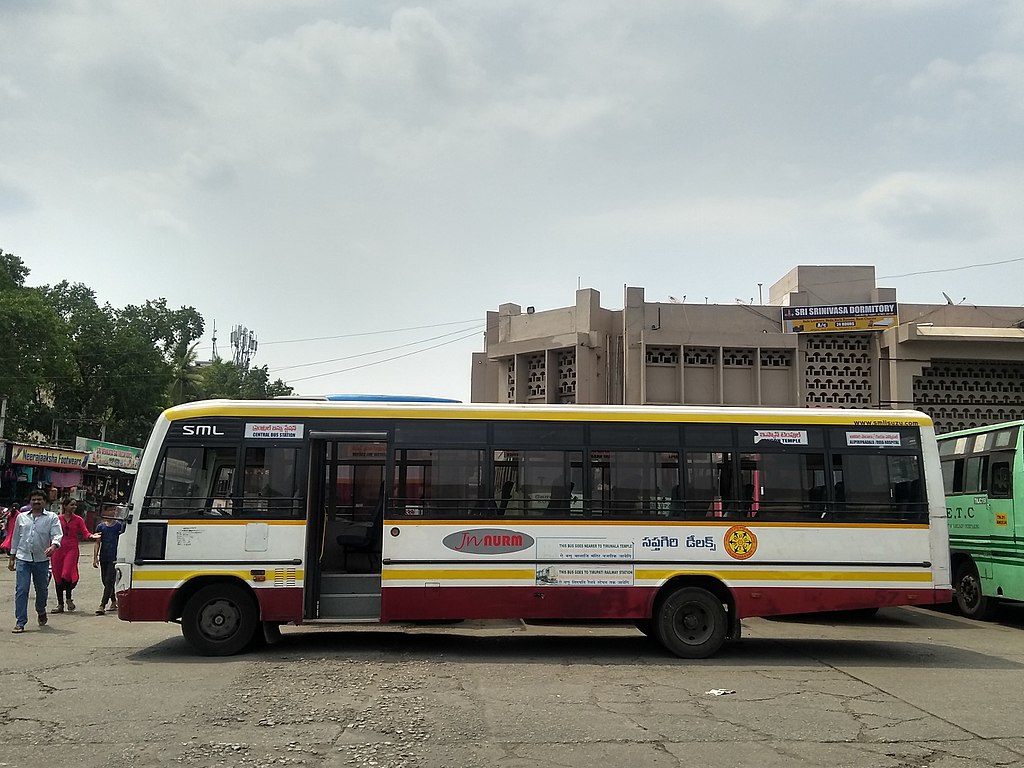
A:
(364, 398)
(979, 430)
(293, 408)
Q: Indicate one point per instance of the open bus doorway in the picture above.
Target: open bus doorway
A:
(345, 527)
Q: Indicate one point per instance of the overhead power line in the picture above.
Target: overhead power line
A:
(475, 332)
(950, 269)
(367, 354)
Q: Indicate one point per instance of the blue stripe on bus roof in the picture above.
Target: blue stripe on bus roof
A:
(389, 399)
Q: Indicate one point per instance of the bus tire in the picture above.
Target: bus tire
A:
(219, 620)
(691, 623)
(970, 601)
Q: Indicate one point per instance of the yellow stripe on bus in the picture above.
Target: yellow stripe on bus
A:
(335, 410)
(763, 575)
(662, 575)
(454, 575)
(728, 522)
(140, 573)
(225, 521)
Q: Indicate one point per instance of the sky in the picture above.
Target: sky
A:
(358, 183)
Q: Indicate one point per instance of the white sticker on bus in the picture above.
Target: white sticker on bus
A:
(585, 576)
(274, 431)
(783, 436)
(583, 549)
(873, 439)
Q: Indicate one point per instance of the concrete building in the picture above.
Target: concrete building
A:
(828, 336)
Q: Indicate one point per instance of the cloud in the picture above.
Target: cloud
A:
(160, 219)
(927, 207)
(209, 171)
(14, 198)
(688, 217)
(9, 89)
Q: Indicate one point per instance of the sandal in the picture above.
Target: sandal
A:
(17, 630)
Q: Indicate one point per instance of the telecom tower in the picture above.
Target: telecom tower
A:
(243, 345)
(215, 355)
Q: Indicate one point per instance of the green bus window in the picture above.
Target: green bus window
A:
(976, 475)
(948, 474)
(1002, 484)
(1006, 438)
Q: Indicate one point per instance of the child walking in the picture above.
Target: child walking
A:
(105, 555)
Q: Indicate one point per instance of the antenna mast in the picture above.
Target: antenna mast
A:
(243, 345)
(215, 355)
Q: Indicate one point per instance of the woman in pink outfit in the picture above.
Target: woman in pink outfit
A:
(12, 515)
(64, 562)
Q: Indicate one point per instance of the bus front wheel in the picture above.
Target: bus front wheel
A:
(219, 620)
(970, 600)
(691, 623)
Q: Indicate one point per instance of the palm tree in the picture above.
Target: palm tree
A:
(185, 376)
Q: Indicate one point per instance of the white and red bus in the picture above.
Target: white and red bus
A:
(247, 515)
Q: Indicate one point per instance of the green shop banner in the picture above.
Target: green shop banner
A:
(109, 454)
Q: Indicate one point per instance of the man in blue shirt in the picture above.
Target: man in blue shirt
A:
(37, 533)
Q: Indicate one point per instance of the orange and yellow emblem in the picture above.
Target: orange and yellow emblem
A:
(740, 542)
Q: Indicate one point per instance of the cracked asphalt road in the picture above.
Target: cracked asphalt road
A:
(908, 689)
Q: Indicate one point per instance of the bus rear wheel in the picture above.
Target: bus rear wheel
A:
(219, 620)
(691, 623)
(970, 601)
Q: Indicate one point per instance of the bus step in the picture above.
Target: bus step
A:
(350, 584)
(349, 606)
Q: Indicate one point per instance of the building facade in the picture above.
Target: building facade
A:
(828, 336)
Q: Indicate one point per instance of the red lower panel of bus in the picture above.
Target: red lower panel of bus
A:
(284, 604)
(409, 603)
(425, 603)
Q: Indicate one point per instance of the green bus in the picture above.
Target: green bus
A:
(983, 477)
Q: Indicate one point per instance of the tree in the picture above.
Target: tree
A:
(225, 379)
(256, 385)
(170, 330)
(12, 271)
(94, 370)
(186, 379)
(33, 350)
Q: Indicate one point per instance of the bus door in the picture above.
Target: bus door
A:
(1000, 505)
(345, 525)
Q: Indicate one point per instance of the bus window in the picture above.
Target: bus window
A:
(438, 482)
(976, 474)
(192, 481)
(878, 486)
(951, 471)
(633, 483)
(781, 484)
(1001, 486)
(543, 483)
(1004, 438)
(270, 484)
(708, 481)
